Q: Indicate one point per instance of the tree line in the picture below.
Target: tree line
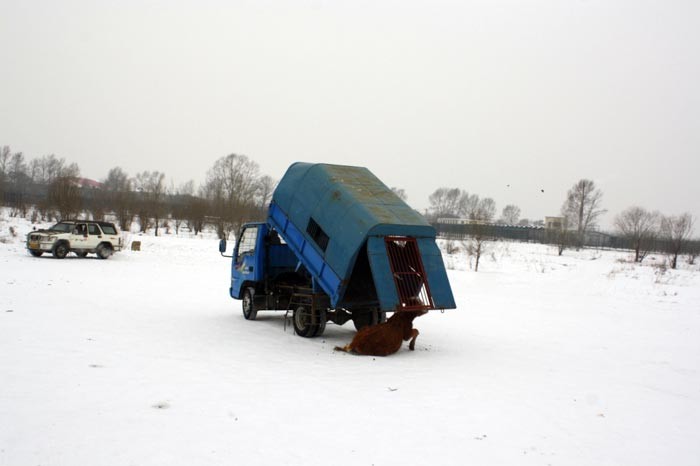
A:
(580, 212)
(233, 192)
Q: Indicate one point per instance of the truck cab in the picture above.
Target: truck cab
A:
(261, 262)
(247, 264)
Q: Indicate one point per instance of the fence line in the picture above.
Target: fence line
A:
(591, 239)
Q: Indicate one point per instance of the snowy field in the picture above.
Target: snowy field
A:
(143, 359)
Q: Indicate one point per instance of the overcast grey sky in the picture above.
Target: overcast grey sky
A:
(471, 94)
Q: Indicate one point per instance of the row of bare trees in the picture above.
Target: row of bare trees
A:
(643, 228)
(46, 181)
(234, 191)
(581, 210)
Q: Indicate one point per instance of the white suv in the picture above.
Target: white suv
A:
(79, 236)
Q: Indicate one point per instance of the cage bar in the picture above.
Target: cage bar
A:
(409, 274)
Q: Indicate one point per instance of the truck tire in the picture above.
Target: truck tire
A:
(364, 318)
(249, 311)
(60, 250)
(322, 319)
(304, 325)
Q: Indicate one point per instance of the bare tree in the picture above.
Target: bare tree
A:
(266, 185)
(640, 227)
(157, 197)
(151, 195)
(196, 212)
(231, 188)
(18, 181)
(5, 155)
(46, 169)
(64, 197)
(583, 207)
(469, 206)
(677, 230)
(482, 213)
(510, 214)
(400, 192)
(485, 210)
(444, 202)
(186, 189)
(178, 203)
(118, 196)
(560, 237)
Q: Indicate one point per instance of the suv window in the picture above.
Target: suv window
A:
(62, 227)
(93, 230)
(109, 229)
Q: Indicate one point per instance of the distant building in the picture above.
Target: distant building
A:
(88, 183)
(456, 221)
(554, 223)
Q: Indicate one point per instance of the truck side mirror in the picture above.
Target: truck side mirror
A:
(222, 248)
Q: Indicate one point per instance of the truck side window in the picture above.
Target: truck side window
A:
(247, 243)
(93, 230)
(317, 234)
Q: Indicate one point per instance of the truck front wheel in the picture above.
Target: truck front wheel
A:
(249, 311)
(308, 324)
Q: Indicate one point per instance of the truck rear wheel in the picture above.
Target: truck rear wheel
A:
(308, 324)
(365, 318)
(249, 311)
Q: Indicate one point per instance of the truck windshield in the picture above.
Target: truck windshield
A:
(62, 227)
(247, 243)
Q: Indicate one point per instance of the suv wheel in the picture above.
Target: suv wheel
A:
(60, 250)
(104, 251)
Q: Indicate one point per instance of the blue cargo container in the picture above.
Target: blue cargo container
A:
(350, 249)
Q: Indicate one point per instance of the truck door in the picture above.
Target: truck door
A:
(245, 261)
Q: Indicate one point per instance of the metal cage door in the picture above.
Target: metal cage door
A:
(408, 272)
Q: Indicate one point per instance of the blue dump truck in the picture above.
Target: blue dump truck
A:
(337, 245)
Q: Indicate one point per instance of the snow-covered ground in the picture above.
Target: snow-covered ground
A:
(143, 359)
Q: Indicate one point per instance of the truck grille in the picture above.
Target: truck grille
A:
(409, 274)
